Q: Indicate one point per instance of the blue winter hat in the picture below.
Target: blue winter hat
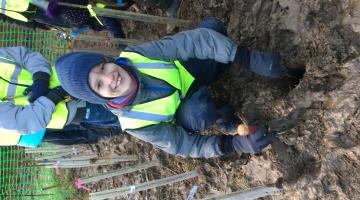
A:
(73, 72)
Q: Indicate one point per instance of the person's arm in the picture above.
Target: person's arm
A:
(204, 43)
(36, 116)
(24, 58)
(200, 43)
(175, 140)
(33, 117)
(26, 119)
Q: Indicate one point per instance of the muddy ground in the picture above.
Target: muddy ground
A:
(319, 158)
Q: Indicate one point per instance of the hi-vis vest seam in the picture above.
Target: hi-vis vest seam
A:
(163, 109)
(14, 80)
(7, 59)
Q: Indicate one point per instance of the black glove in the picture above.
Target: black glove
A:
(40, 86)
(253, 143)
(262, 63)
(58, 94)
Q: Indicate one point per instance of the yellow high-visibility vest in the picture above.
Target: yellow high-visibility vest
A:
(14, 92)
(13, 8)
(163, 109)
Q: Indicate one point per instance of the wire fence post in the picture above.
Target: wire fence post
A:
(125, 170)
(248, 194)
(142, 186)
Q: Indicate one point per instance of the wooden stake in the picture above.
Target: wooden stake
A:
(95, 38)
(105, 12)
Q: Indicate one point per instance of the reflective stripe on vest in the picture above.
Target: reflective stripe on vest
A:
(12, 8)
(14, 93)
(160, 110)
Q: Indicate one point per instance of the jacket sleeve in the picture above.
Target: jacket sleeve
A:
(36, 116)
(175, 140)
(32, 61)
(26, 119)
(200, 43)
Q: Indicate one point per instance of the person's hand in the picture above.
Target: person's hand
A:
(40, 86)
(267, 64)
(263, 63)
(58, 94)
(253, 143)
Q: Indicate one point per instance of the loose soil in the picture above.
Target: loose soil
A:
(319, 158)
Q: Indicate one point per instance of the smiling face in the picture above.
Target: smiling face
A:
(110, 80)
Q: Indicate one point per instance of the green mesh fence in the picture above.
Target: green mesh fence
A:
(21, 178)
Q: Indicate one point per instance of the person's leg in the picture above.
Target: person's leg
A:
(113, 26)
(197, 111)
(213, 70)
(79, 135)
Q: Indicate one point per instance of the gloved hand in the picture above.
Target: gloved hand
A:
(40, 86)
(58, 94)
(262, 63)
(253, 143)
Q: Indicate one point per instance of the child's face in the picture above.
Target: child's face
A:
(110, 80)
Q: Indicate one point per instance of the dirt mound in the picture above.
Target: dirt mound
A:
(319, 158)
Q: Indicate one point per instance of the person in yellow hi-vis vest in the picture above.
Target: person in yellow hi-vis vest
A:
(159, 89)
(31, 99)
(15, 9)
